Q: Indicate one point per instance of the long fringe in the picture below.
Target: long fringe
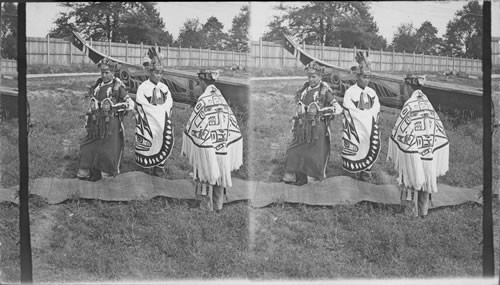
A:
(209, 167)
(417, 173)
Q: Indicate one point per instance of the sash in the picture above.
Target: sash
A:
(212, 140)
(418, 145)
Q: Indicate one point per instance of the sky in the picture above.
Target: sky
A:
(388, 15)
(40, 17)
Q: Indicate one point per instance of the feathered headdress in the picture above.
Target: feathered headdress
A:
(154, 59)
(314, 67)
(364, 64)
(106, 63)
(207, 74)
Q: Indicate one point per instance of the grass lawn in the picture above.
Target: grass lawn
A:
(88, 240)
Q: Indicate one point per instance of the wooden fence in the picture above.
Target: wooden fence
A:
(53, 51)
(495, 50)
(8, 66)
(262, 55)
(271, 55)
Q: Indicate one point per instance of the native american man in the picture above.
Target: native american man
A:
(154, 137)
(102, 149)
(419, 148)
(361, 137)
(308, 152)
(213, 144)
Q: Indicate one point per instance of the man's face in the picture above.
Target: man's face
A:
(106, 75)
(314, 79)
(154, 76)
(363, 80)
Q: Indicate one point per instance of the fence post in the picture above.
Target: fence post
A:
(126, 50)
(217, 56)
(232, 57)
(199, 56)
(48, 49)
(340, 55)
(260, 52)
(392, 61)
(168, 54)
(322, 51)
(189, 56)
(423, 62)
(404, 60)
(179, 62)
(282, 57)
(370, 53)
(70, 54)
(109, 46)
(239, 58)
(381, 62)
(414, 62)
(141, 54)
(209, 52)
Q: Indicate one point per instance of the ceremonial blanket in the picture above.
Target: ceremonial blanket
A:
(361, 137)
(418, 145)
(212, 140)
(154, 136)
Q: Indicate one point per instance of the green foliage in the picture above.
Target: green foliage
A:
(428, 42)
(190, 34)
(464, 33)
(422, 40)
(405, 38)
(331, 23)
(208, 36)
(116, 21)
(238, 34)
(215, 38)
(8, 33)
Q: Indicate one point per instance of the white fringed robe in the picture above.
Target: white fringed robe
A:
(212, 140)
(418, 145)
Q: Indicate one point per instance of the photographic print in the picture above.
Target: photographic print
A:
(362, 195)
(249, 141)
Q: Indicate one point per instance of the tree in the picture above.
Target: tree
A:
(190, 34)
(116, 21)
(405, 38)
(330, 23)
(428, 41)
(215, 38)
(277, 27)
(238, 34)
(464, 33)
(145, 25)
(8, 32)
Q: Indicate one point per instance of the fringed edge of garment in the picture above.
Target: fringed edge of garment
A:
(209, 167)
(203, 160)
(417, 173)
